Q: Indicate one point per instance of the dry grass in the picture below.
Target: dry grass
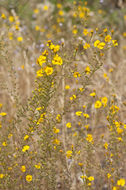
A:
(67, 150)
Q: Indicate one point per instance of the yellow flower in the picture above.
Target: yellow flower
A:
(116, 108)
(55, 130)
(11, 18)
(85, 32)
(74, 31)
(101, 54)
(45, 53)
(86, 115)
(76, 74)
(57, 60)
(37, 28)
(91, 178)
(117, 124)
(3, 114)
(121, 182)
(120, 139)
(49, 70)
(106, 76)
(124, 125)
(61, 13)
(59, 6)
(112, 31)
(45, 8)
(51, 45)
(80, 164)
(108, 38)
(86, 127)
(29, 178)
(105, 30)
(74, 15)
(4, 143)
(81, 89)
(16, 27)
(22, 66)
(39, 108)
(58, 118)
(1, 176)
(81, 15)
(83, 177)
(100, 11)
(71, 98)
(86, 46)
(96, 43)
(10, 135)
(74, 96)
(67, 87)
(89, 138)
(110, 70)
(40, 120)
(3, 16)
(114, 188)
(93, 94)
(108, 175)
(115, 43)
(20, 39)
(87, 70)
(26, 137)
(78, 113)
(39, 73)
(56, 48)
(1, 105)
(119, 131)
(98, 104)
(23, 168)
(68, 153)
(101, 45)
(41, 60)
(25, 148)
(68, 125)
(75, 134)
(56, 141)
(106, 145)
(37, 166)
(36, 11)
(104, 100)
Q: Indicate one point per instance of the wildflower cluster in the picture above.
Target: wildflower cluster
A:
(62, 106)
